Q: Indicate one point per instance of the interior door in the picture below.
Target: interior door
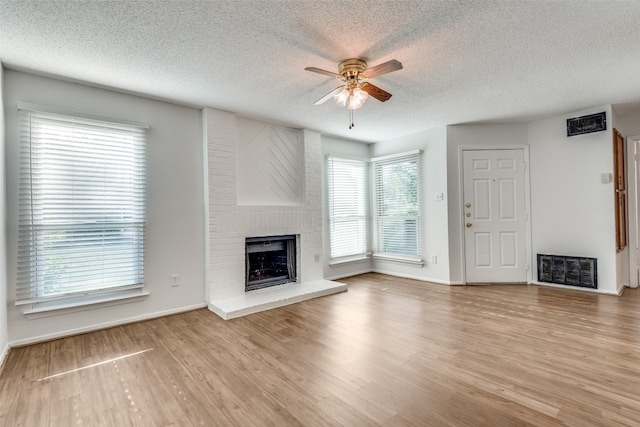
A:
(494, 216)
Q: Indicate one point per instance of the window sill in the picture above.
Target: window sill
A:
(41, 310)
(417, 261)
(347, 260)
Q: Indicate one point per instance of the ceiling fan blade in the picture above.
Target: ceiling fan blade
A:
(325, 72)
(384, 68)
(376, 92)
(329, 95)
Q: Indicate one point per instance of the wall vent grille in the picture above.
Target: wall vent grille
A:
(568, 270)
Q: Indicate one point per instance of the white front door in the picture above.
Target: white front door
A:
(494, 212)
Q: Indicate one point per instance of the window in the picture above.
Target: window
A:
(397, 206)
(82, 207)
(347, 188)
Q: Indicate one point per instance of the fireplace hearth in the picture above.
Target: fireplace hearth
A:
(270, 261)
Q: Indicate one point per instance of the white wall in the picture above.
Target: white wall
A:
(627, 124)
(433, 142)
(4, 328)
(339, 147)
(458, 136)
(175, 206)
(572, 211)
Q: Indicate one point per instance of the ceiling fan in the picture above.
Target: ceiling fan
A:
(354, 92)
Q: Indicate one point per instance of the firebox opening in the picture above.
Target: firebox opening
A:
(270, 261)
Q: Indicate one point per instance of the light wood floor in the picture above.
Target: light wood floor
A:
(390, 351)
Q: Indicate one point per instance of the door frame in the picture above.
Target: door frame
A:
(633, 213)
(527, 200)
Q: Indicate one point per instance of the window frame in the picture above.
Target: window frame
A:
(357, 212)
(29, 273)
(412, 157)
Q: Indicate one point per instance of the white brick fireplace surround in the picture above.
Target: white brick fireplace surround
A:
(263, 180)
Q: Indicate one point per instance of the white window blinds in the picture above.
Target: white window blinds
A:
(82, 207)
(347, 190)
(397, 205)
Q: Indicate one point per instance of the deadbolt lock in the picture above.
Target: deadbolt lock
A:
(468, 214)
(468, 224)
(468, 205)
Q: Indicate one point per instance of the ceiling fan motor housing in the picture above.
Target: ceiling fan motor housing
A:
(351, 67)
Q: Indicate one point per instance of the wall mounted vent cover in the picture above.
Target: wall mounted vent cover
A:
(568, 270)
(587, 124)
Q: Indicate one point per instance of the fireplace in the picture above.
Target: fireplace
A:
(270, 261)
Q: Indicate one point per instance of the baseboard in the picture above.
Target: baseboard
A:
(106, 325)
(3, 356)
(351, 274)
(414, 277)
(621, 288)
(575, 288)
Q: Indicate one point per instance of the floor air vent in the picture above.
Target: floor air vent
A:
(568, 270)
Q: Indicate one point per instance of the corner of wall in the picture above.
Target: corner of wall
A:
(4, 320)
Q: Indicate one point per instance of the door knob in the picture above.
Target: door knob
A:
(468, 205)
(468, 214)
(468, 224)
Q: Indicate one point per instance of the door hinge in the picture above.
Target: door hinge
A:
(527, 267)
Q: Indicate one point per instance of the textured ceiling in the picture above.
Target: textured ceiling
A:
(465, 61)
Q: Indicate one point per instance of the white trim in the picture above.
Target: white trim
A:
(83, 305)
(461, 221)
(415, 277)
(207, 201)
(576, 288)
(55, 110)
(633, 214)
(621, 287)
(349, 259)
(4, 355)
(395, 156)
(80, 294)
(399, 259)
(106, 325)
(349, 274)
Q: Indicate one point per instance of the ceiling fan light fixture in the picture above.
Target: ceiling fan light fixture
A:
(342, 97)
(353, 72)
(357, 98)
(354, 103)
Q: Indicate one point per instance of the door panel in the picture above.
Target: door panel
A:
(482, 194)
(508, 200)
(494, 215)
(482, 250)
(508, 249)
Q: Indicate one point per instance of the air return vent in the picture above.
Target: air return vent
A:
(568, 270)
